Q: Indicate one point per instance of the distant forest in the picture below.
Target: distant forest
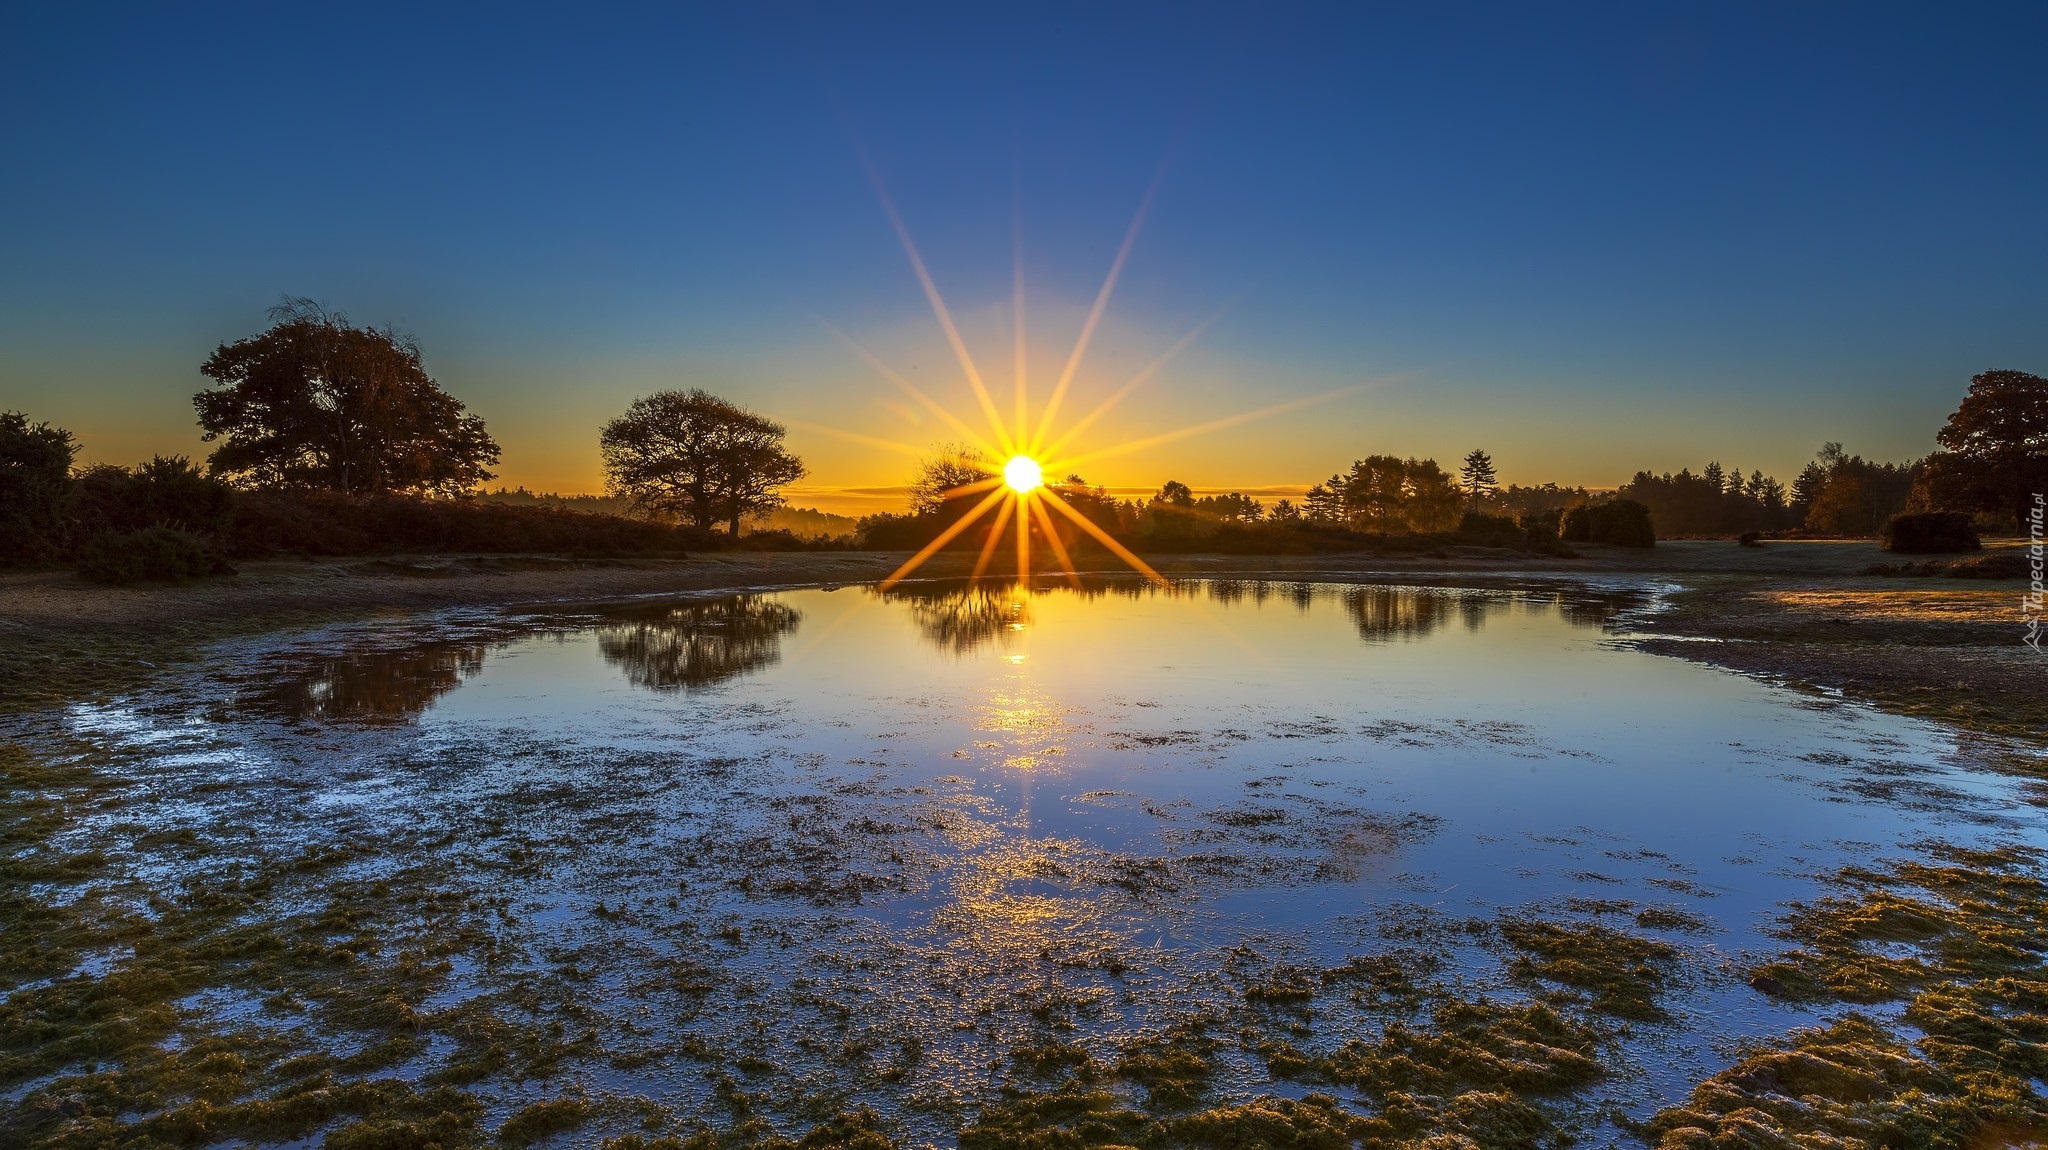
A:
(332, 439)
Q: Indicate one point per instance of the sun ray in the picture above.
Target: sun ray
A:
(1122, 552)
(1017, 314)
(1052, 539)
(992, 481)
(945, 317)
(1213, 425)
(857, 437)
(945, 537)
(1023, 541)
(1116, 269)
(988, 546)
(1136, 381)
(916, 393)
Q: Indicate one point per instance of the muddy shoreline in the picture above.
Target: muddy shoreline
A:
(1797, 612)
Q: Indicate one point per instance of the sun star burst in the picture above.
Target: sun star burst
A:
(1018, 456)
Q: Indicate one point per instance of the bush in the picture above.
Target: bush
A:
(122, 557)
(1620, 522)
(320, 522)
(35, 477)
(1751, 539)
(1475, 523)
(781, 539)
(168, 491)
(1931, 533)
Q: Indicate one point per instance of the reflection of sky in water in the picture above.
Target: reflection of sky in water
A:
(1168, 773)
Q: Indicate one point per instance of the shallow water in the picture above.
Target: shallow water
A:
(861, 846)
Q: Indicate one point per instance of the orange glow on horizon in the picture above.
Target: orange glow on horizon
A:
(1019, 456)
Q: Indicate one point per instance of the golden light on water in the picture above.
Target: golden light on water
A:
(1023, 474)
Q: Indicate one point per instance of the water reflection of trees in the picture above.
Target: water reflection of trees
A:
(1403, 612)
(684, 646)
(1382, 613)
(959, 615)
(377, 686)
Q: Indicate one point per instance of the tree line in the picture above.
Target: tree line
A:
(333, 438)
(332, 435)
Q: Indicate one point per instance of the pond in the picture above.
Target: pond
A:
(774, 857)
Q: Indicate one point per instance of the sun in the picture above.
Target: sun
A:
(1015, 453)
(1023, 474)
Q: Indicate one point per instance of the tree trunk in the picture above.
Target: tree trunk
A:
(735, 525)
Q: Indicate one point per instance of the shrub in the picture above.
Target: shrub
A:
(1751, 539)
(1930, 533)
(122, 557)
(168, 491)
(35, 477)
(1621, 522)
(780, 539)
(1475, 523)
(320, 522)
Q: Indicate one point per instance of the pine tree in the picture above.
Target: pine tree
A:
(1478, 475)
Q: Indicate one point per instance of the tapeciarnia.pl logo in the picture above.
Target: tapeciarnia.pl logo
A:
(2030, 607)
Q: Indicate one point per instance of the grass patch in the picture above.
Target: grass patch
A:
(1957, 938)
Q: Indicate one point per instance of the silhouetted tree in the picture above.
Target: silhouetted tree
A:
(692, 455)
(1996, 443)
(950, 483)
(1478, 476)
(1713, 502)
(1323, 504)
(35, 478)
(1540, 498)
(1621, 522)
(317, 402)
(1857, 496)
(1235, 507)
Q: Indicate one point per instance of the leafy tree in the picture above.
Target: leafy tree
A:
(695, 456)
(317, 402)
(1175, 494)
(1478, 476)
(1430, 500)
(1376, 495)
(1712, 502)
(1235, 507)
(1806, 488)
(1621, 522)
(937, 486)
(1541, 498)
(1996, 443)
(1323, 504)
(1857, 496)
(35, 478)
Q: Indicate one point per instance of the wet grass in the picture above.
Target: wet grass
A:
(269, 991)
(1955, 940)
(261, 994)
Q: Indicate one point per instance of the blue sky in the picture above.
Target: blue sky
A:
(1591, 239)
